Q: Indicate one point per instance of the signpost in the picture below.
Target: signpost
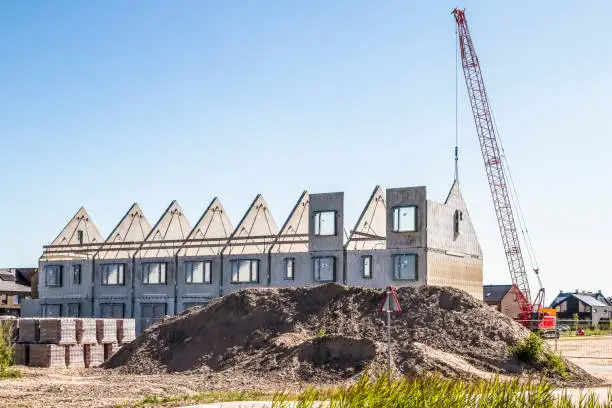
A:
(390, 305)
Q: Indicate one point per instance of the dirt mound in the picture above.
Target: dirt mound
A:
(332, 332)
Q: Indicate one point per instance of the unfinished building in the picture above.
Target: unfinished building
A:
(145, 272)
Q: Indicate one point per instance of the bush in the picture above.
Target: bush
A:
(532, 351)
(6, 351)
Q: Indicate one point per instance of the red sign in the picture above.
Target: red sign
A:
(390, 303)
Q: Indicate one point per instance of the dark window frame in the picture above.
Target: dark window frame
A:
(120, 274)
(289, 261)
(163, 268)
(112, 306)
(68, 311)
(395, 210)
(46, 306)
(76, 274)
(363, 266)
(317, 260)
(60, 274)
(416, 270)
(204, 281)
(80, 237)
(252, 262)
(317, 223)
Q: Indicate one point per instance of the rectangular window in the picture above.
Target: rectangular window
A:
(245, 271)
(198, 272)
(51, 310)
(289, 268)
(74, 310)
(76, 274)
(367, 266)
(325, 223)
(405, 267)
(80, 237)
(154, 273)
(112, 310)
(458, 217)
(53, 275)
(16, 300)
(404, 219)
(4, 299)
(152, 313)
(324, 269)
(113, 274)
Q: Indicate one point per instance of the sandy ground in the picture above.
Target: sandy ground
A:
(94, 388)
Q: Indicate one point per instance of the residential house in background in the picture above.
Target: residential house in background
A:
(401, 238)
(592, 307)
(503, 298)
(15, 287)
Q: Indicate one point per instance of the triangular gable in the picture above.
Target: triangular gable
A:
(80, 227)
(172, 226)
(371, 228)
(296, 224)
(255, 232)
(214, 227)
(455, 200)
(133, 229)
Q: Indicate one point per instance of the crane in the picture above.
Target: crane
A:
(532, 315)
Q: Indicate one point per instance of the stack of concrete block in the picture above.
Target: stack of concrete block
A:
(28, 331)
(106, 331)
(68, 342)
(86, 331)
(126, 330)
(75, 356)
(57, 331)
(20, 354)
(110, 349)
(93, 355)
(47, 355)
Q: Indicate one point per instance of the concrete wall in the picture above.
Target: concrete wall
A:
(460, 272)
(303, 274)
(200, 293)
(402, 197)
(229, 287)
(320, 246)
(382, 268)
(69, 292)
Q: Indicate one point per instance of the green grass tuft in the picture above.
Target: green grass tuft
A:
(532, 350)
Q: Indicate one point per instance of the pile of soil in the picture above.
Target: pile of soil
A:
(333, 332)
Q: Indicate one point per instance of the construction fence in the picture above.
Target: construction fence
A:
(581, 339)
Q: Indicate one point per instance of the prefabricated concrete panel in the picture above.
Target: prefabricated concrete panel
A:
(152, 310)
(209, 290)
(163, 289)
(382, 268)
(113, 307)
(229, 287)
(441, 232)
(302, 270)
(214, 225)
(172, 226)
(297, 223)
(326, 202)
(371, 222)
(255, 233)
(69, 288)
(133, 227)
(118, 291)
(461, 272)
(401, 197)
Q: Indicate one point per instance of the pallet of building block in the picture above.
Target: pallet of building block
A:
(86, 331)
(47, 355)
(93, 354)
(126, 330)
(106, 331)
(20, 354)
(28, 331)
(75, 356)
(110, 349)
(57, 331)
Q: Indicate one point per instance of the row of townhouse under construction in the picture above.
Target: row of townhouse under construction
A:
(401, 238)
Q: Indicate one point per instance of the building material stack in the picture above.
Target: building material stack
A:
(69, 342)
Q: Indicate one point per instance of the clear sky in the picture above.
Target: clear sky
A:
(112, 102)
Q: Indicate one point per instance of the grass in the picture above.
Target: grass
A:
(532, 350)
(422, 391)
(6, 351)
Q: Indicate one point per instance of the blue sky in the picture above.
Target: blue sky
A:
(108, 103)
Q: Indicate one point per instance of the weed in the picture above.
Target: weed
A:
(6, 351)
(321, 332)
(532, 350)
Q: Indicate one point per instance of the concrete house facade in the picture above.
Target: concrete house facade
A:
(401, 238)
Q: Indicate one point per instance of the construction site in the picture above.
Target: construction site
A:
(149, 312)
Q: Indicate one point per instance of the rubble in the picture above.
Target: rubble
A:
(332, 332)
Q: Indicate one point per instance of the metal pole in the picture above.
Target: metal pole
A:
(389, 345)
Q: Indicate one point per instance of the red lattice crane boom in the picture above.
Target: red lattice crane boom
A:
(494, 167)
